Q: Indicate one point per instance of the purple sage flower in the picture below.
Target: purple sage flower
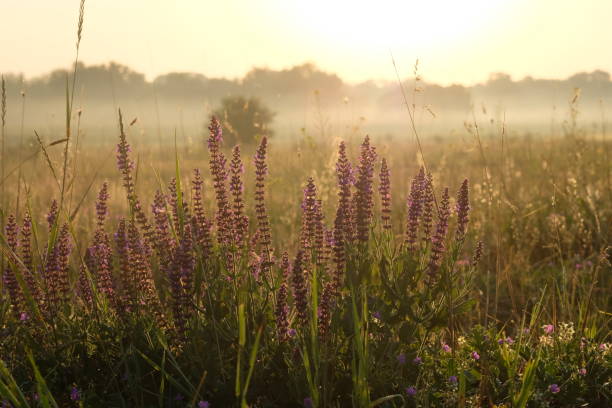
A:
(384, 190)
(415, 207)
(75, 394)
(363, 199)
(463, 210)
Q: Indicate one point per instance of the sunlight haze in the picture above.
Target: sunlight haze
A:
(455, 42)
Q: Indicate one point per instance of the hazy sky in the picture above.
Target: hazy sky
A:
(455, 41)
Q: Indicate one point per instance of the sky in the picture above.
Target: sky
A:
(455, 41)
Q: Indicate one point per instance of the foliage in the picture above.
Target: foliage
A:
(245, 120)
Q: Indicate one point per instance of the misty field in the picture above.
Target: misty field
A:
(313, 273)
(343, 263)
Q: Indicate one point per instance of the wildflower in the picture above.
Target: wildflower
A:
(203, 404)
(75, 394)
(401, 358)
(452, 379)
(291, 332)
(263, 223)
(282, 311)
(308, 402)
(414, 209)
(218, 170)
(363, 197)
(240, 221)
(566, 332)
(501, 341)
(23, 316)
(477, 253)
(26, 256)
(428, 207)
(385, 195)
(10, 279)
(582, 371)
(548, 328)
(309, 222)
(52, 215)
(417, 361)
(475, 355)
(463, 209)
(376, 315)
(546, 340)
(411, 391)
(509, 340)
(446, 348)
(437, 241)
(325, 308)
(554, 388)
(300, 290)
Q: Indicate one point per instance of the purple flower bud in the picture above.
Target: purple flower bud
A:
(452, 379)
(411, 391)
(75, 394)
(554, 388)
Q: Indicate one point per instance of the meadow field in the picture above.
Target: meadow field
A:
(338, 266)
(470, 271)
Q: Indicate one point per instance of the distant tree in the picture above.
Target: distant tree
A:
(244, 120)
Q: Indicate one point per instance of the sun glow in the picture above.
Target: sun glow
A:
(392, 24)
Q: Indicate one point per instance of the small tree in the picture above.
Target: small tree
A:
(244, 120)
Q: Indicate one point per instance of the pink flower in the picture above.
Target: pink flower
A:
(446, 348)
(548, 328)
(475, 355)
(582, 371)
